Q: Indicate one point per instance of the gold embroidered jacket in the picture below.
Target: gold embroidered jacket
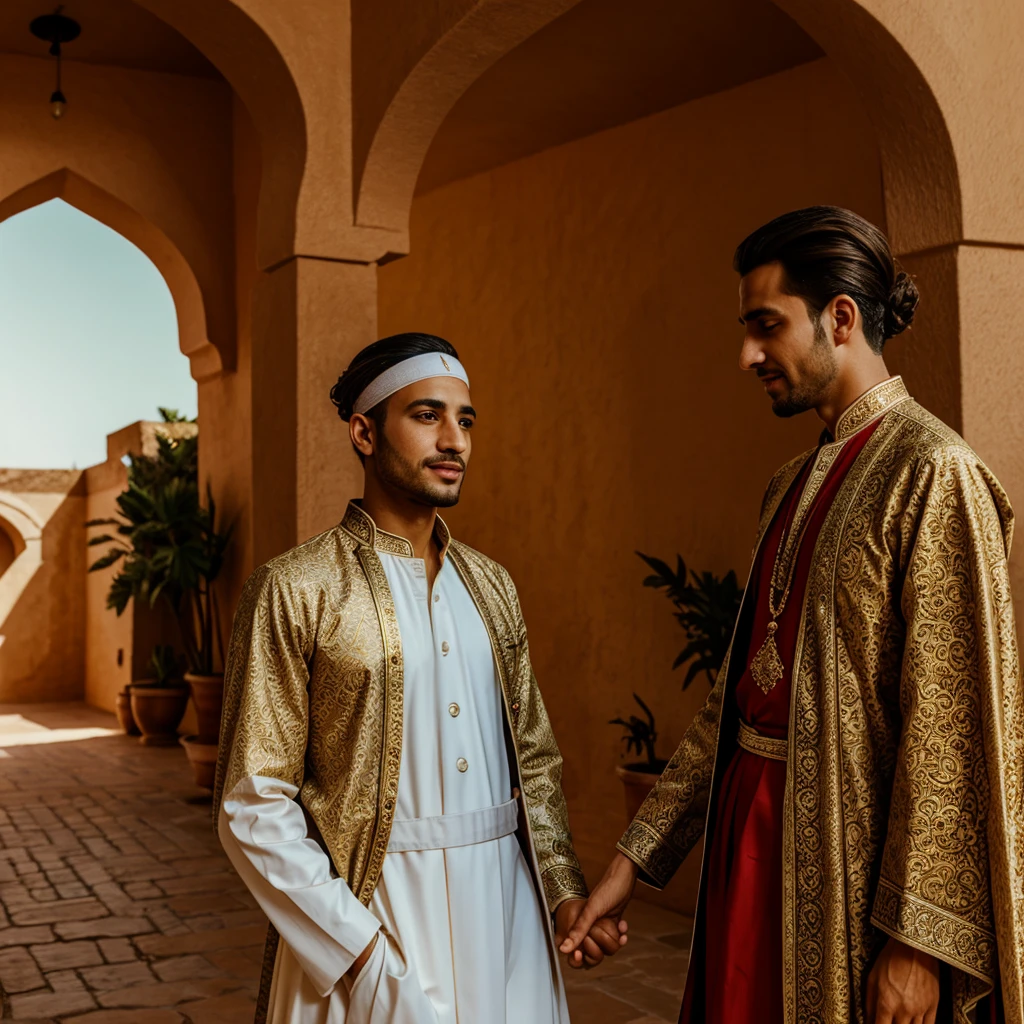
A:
(904, 804)
(313, 696)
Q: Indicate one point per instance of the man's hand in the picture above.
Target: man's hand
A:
(903, 986)
(360, 961)
(606, 906)
(604, 938)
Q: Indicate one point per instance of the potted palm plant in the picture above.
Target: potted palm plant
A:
(706, 607)
(168, 549)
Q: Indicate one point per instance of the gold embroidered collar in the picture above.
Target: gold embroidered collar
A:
(359, 525)
(873, 403)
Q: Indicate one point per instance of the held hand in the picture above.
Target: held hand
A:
(903, 986)
(606, 906)
(360, 961)
(603, 939)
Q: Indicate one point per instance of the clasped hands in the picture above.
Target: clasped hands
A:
(589, 930)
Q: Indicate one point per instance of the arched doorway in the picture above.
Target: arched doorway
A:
(97, 351)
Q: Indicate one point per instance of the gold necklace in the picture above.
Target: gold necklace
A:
(766, 666)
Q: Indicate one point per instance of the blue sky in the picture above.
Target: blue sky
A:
(88, 339)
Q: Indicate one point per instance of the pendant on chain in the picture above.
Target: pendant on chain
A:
(766, 666)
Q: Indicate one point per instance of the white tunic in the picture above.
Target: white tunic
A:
(465, 939)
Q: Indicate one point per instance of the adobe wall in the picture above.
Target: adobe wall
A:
(42, 633)
(589, 289)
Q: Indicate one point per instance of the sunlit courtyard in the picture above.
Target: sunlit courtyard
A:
(119, 906)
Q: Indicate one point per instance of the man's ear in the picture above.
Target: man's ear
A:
(845, 318)
(360, 432)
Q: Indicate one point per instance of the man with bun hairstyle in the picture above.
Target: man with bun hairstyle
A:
(858, 768)
(389, 785)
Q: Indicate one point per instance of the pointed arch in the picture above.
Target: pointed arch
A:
(920, 175)
(205, 359)
(488, 31)
(239, 44)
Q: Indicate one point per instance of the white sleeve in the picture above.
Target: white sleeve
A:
(263, 831)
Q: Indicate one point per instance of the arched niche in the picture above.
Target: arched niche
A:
(483, 35)
(23, 529)
(205, 358)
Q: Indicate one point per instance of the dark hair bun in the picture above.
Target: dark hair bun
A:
(903, 299)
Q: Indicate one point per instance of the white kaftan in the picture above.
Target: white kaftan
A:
(465, 939)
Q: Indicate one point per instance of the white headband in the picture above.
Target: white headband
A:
(429, 364)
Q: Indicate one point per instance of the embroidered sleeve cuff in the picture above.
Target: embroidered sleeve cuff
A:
(650, 852)
(563, 882)
(924, 926)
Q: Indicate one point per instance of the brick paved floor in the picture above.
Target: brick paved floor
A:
(117, 905)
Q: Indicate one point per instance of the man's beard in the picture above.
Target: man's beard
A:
(396, 472)
(816, 375)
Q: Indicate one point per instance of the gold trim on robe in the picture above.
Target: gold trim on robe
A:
(904, 805)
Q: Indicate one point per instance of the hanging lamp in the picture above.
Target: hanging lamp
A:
(56, 29)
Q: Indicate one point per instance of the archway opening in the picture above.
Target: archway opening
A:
(91, 348)
(92, 339)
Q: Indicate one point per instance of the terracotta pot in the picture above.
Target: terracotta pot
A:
(208, 697)
(203, 758)
(636, 784)
(125, 719)
(158, 710)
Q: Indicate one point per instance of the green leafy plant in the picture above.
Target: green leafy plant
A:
(165, 667)
(172, 415)
(641, 736)
(706, 608)
(167, 546)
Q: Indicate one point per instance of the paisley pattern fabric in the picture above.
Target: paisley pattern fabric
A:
(328, 718)
(904, 811)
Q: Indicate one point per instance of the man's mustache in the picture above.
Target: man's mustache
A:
(436, 460)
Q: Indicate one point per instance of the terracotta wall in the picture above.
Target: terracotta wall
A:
(108, 647)
(225, 403)
(590, 292)
(42, 633)
(118, 648)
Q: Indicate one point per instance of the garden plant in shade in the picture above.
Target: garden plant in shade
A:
(706, 607)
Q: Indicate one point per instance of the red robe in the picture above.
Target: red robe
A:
(735, 974)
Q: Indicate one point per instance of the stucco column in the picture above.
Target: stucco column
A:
(964, 360)
(310, 317)
(992, 361)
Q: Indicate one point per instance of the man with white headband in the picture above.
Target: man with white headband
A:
(389, 785)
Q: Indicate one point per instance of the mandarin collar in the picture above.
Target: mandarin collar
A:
(357, 523)
(875, 402)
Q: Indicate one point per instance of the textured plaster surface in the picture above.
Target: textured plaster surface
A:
(589, 289)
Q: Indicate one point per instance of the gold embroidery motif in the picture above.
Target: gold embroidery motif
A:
(765, 746)
(905, 791)
(879, 399)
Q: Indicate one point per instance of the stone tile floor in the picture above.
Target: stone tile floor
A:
(117, 905)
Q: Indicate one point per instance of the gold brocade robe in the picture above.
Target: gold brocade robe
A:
(904, 803)
(329, 720)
